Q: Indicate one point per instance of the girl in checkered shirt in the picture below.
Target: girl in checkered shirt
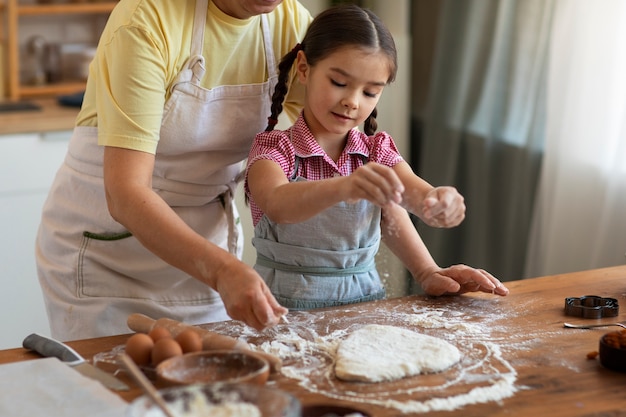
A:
(323, 194)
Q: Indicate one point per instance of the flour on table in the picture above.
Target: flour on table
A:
(376, 353)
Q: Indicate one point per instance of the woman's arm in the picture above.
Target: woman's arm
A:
(133, 203)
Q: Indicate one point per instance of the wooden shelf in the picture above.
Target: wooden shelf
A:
(68, 87)
(12, 11)
(65, 8)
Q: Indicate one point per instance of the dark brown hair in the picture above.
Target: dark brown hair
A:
(334, 28)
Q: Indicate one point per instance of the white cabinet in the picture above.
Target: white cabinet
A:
(28, 163)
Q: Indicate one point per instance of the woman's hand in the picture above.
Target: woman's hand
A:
(459, 279)
(443, 207)
(246, 296)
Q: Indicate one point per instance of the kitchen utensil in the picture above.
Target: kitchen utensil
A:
(201, 400)
(52, 63)
(145, 384)
(589, 326)
(212, 366)
(35, 48)
(210, 340)
(591, 307)
(49, 347)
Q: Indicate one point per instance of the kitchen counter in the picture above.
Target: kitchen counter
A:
(518, 359)
(51, 117)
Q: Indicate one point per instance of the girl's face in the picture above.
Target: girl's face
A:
(342, 89)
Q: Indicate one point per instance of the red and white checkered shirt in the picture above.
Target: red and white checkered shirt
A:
(282, 147)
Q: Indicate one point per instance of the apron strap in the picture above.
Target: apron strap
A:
(272, 68)
(197, 40)
(315, 270)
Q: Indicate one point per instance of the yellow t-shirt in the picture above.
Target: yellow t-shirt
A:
(146, 43)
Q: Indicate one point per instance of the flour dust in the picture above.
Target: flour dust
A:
(308, 344)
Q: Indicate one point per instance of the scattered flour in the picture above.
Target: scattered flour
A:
(308, 347)
(309, 356)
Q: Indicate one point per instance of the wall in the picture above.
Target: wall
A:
(21, 200)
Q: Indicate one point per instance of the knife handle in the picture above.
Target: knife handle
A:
(48, 347)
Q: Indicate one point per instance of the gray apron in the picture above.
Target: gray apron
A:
(327, 260)
(93, 273)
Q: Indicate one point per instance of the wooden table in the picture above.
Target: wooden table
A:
(549, 364)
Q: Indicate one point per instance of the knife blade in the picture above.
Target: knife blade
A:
(48, 347)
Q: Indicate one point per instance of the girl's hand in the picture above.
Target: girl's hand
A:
(443, 207)
(374, 182)
(459, 279)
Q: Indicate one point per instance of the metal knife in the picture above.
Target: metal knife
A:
(49, 347)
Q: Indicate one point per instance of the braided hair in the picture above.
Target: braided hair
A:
(334, 28)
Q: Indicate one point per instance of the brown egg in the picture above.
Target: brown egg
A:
(159, 332)
(189, 341)
(139, 348)
(165, 348)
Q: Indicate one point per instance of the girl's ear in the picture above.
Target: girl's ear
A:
(302, 67)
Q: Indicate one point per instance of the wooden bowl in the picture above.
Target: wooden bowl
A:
(613, 350)
(212, 366)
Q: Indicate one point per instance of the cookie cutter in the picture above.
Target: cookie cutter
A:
(591, 307)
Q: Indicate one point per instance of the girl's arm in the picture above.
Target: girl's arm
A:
(291, 202)
(401, 237)
(435, 206)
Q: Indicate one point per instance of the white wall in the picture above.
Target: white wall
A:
(22, 195)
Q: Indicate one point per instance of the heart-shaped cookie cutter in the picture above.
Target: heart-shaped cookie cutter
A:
(591, 307)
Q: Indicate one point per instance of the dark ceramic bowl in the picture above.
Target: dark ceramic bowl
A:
(211, 366)
(613, 350)
(325, 410)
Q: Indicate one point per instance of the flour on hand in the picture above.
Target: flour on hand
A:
(376, 353)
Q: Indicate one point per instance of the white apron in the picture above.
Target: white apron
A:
(92, 271)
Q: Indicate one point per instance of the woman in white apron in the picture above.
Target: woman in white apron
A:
(118, 238)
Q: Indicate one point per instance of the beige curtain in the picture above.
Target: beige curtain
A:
(580, 217)
(478, 122)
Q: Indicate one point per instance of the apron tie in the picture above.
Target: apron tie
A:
(316, 270)
(233, 230)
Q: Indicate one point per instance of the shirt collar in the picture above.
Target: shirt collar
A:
(306, 146)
